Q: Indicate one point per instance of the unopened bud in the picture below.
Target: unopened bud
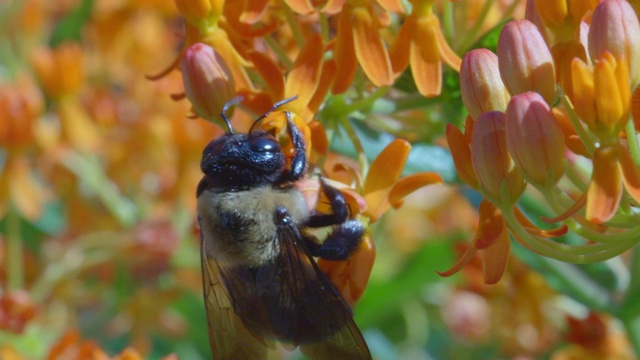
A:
(208, 82)
(480, 83)
(525, 60)
(535, 139)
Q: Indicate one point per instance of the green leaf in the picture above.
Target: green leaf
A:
(70, 27)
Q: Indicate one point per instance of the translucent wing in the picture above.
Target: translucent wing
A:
(228, 335)
(304, 307)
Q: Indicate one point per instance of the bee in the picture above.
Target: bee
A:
(261, 283)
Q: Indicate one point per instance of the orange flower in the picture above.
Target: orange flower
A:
(420, 42)
(491, 241)
(358, 40)
(601, 96)
(382, 187)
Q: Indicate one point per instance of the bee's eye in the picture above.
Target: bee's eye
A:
(265, 144)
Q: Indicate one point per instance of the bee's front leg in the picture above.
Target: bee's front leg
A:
(340, 244)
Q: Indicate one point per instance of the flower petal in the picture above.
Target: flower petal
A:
(302, 7)
(305, 74)
(494, 258)
(461, 153)
(326, 79)
(383, 174)
(351, 276)
(270, 73)
(605, 189)
(460, 263)
(399, 50)
(411, 183)
(426, 64)
(391, 5)
(252, 10)
(369, 47)
(630, 173)
(332, 7)
(344, 54)
(490, 226)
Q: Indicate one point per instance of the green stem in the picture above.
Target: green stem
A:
(632, 328)
(577, 254)
(293, 24)
(15, 250)
(630, 129)
(574, 282)
(279, 51)
(577, 125)
(471, 34)
(366, 102)
(357, 145)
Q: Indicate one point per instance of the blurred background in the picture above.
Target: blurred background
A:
(99, 253)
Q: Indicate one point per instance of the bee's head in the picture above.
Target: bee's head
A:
(240, 161)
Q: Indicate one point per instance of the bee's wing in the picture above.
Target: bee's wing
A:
(228, 335)
(322, 323)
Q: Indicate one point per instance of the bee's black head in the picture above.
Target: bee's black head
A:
(242, 161)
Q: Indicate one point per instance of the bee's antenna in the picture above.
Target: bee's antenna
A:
(273, 108)
(223, 114)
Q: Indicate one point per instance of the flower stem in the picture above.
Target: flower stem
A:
(575, 121)
(630, 129)
(15, 269)
(632, 328)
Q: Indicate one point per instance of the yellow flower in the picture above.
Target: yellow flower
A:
(601, 96)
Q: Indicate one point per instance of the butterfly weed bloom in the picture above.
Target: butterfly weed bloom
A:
(421, 44)
(544, 134)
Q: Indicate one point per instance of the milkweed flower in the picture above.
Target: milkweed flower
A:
(358, 41)
(421, 44)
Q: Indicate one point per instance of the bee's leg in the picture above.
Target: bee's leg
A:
(340, 244)
(339, 208)
(299, 161)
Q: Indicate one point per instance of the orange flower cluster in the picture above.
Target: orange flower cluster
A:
(231, 49)
(552, 111)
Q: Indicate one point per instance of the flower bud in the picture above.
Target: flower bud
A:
(208, 82)
(615, 28)
(535, 139)
(525, 60)
(497, 176)
(480, 84)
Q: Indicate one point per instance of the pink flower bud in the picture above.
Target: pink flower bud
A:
(208, 82)
(525, 60)
(480, 84)
(497, 175)
(615, 28)
(535, 139)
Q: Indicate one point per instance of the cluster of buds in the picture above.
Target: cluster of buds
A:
(552, 111)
